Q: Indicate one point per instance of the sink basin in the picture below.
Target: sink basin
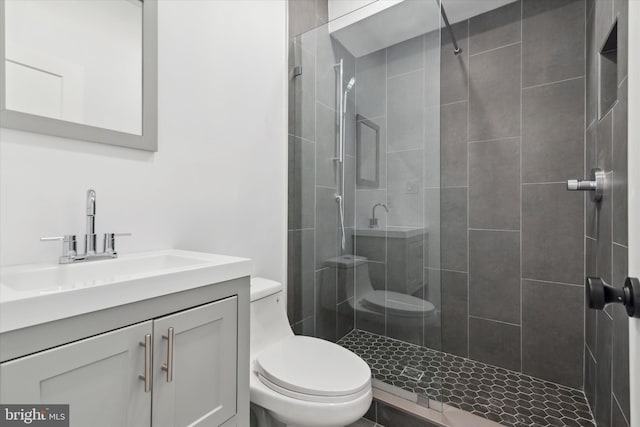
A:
(35, 294)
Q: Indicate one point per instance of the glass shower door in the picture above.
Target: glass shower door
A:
(365, 155)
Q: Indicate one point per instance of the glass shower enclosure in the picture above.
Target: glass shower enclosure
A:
(364, 191)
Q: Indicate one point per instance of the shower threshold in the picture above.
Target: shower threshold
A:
(506, 397)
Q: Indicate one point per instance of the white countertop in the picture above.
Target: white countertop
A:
(36, 294)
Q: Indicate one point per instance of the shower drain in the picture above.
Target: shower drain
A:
(412, 373)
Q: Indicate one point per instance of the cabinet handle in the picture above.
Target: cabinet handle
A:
(169, 365)
(146, 377)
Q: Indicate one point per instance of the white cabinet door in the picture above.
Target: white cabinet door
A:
(97, 377)
(202, 390)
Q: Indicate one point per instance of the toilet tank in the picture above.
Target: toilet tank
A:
(269, 323)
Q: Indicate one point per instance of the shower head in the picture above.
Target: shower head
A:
(350, 85)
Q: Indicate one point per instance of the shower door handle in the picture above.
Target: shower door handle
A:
(599, 294)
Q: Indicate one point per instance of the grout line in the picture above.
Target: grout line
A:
(467, 166)
(552, 283)
(494, 49)
(620, 245)
(452, 103)
(544, 183)
(493, 320)
(493, 229)
(615, 398)
(553, 83)
(506, 138)
(520, 167)
(406, 73)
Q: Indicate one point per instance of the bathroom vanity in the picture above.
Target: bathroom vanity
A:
(155, 339)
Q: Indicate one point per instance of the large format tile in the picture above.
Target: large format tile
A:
(620, 358)
(591, 270)
(494, 343)
(591, 71)
(325, 300)
(326, 120)
(494, 94)
(370, 86)
(553, 132)
(494, 275)
(494, 184)
(404, 190)
(604, 20)
(453, 145)
(405, 56)
(432, 228)
(302, 16)
(453, 228)
(552, 40)
(495, 28)
(302, 120)
(454, 69)
(604, 144)
(301, 187)
(432, 146)
(404, 111)
(432, 69)
(300, 275)
(590, 378)
(621, 11)
(552, 233)
(603, 370)
(454, 313)
(617, 418)
(326, 226)
(591, 208)
(604, 236)
(620, 165)
(550, 352)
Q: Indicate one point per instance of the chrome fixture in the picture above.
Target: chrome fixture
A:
(456, 48)
(595, 184)
(339, 157)
(69, 243)
(373, 221)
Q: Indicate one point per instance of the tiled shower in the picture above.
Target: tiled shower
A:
(474, 153)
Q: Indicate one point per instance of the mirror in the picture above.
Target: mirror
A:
(81, 69)
(367, 153)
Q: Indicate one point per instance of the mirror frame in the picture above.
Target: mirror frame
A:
(39, 124)
(363, 121)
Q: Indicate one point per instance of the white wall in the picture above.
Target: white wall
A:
(218, 180)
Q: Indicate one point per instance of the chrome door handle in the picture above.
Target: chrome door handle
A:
(146, 377)
(169, 365)
(595, 184)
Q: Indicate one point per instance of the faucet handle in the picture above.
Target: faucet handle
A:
(69, 246)
(110, 242)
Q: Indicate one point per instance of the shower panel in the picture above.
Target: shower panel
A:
(448, 290)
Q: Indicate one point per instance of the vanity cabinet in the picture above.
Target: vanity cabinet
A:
(97, 376)
(193, 361)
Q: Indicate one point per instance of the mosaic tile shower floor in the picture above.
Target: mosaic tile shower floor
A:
(507, 397)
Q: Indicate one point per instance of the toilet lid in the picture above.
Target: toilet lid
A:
(397, 304)
(311, 366)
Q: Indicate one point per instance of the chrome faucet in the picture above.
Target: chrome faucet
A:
(373, 221)
(69, 243)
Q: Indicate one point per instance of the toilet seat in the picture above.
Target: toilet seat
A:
(397, 304)
(314, 370)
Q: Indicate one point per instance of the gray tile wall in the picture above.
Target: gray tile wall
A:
(606, 375)
(512, 237)
(317, 303)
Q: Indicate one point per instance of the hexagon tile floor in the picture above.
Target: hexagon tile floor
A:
(507, 397)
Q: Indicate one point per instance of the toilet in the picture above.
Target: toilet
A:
(296, 380)
(378, 302)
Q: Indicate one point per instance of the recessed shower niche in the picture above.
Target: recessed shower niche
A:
(609, 71)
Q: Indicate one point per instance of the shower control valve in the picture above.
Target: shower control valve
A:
(595, 184)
